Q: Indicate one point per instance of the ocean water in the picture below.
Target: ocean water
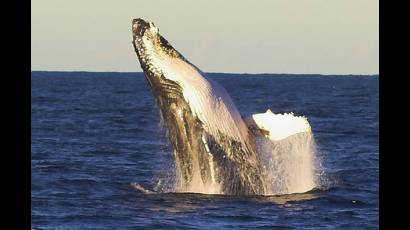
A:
(94, 134)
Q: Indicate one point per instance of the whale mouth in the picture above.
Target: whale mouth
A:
(146, 40)
(139, 26)
(151, 47)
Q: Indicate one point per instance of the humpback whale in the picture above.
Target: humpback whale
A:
(214, 147)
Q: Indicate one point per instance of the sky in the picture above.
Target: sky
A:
(231, 36)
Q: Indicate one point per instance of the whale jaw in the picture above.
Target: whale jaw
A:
(212, 146)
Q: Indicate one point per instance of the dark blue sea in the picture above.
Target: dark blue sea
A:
(93, 134)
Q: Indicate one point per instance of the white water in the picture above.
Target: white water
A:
(289, 164)
(287, 150)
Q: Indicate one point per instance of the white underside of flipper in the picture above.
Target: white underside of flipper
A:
(278, 126)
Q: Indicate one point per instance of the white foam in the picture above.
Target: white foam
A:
(140, 188)
(289, 164)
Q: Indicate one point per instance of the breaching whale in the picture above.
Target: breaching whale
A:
(214, 146)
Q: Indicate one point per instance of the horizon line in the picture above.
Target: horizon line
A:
(92, 71)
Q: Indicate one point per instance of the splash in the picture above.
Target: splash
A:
(197, 185)
(288, 164)
(287, 149)
(287, 153)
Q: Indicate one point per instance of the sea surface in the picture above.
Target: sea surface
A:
(95, 134)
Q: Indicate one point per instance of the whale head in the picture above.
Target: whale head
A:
(156, 55)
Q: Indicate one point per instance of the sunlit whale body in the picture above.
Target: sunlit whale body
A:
(215, 150)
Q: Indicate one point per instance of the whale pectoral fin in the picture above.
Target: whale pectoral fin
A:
(277, 127)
